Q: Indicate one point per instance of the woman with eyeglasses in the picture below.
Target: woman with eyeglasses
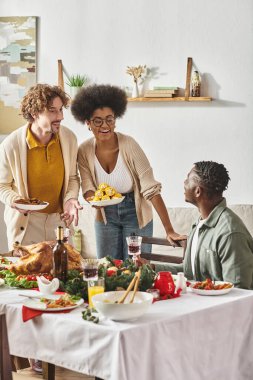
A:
(118, 160)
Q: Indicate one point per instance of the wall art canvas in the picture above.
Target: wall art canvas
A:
(17, 68)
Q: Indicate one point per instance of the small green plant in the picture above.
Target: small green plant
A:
(77, 80)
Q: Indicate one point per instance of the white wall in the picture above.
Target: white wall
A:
(100, 38)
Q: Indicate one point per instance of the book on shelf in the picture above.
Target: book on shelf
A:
(165, 88)
(161, 91)
(157, 95)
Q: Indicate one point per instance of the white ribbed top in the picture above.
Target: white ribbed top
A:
(194, 245)
(120, 178)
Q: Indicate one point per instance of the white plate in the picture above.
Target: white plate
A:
(13, 259)
(109, 202)
(36, 294)
(203, 292)
(37, 305)
(31, 207)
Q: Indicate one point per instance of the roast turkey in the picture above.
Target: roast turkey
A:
(38, 258)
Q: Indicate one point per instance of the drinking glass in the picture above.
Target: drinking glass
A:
(134, 246)
(90, 269)
(95, 287)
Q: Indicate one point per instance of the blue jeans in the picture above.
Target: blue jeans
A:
(121, 221)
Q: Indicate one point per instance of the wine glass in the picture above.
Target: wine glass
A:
(134, 246)
(90, 269)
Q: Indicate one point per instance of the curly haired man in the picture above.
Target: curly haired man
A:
(38, 160)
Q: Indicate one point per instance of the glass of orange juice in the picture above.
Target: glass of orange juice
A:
(95, 287)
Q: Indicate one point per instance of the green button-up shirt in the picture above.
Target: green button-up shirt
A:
(224, 250)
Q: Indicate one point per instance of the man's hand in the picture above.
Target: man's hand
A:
(19, 209)
(70, 212)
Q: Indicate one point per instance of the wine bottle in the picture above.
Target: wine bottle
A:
(196, 84)
(60, 257)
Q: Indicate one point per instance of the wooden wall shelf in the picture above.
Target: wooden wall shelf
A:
(175, 99)
(186, 98)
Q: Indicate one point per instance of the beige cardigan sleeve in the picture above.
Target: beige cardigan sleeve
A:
(86, 166)
(139, 166)
(69, 151)
(8, 191)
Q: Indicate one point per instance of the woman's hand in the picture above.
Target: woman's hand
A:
(70, 212)
(140, 261)
(89, 196)
(173, 237)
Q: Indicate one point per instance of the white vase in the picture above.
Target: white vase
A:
(135, 93)
(73, 91)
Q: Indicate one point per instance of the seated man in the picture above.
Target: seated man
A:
(219, 245)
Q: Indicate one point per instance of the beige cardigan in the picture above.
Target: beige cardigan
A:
(144, 184)
(13, 176)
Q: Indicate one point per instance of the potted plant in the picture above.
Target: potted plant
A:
(75, 82)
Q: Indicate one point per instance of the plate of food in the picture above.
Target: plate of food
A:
(61, 303)
(107, 202)
(105, 195)
(211, 288)
(32, 204)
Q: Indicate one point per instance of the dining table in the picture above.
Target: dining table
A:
(191, 337)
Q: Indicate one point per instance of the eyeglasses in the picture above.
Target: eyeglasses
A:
(98, 121)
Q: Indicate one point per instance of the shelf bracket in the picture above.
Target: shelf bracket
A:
(60, 74)
(188, 78)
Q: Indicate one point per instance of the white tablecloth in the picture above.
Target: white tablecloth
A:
(192, 337)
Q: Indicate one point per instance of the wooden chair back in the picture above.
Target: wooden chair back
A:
(163, 257)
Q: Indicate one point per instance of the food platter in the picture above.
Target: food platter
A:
(36, 304)
(108, 202)
(31, 207)
(216, 292)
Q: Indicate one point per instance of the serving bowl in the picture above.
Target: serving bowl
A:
(106, 304)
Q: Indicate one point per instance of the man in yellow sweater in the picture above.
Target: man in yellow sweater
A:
(38, 160)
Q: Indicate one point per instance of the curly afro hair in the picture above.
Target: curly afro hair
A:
(212, 176)
(93, 97)
(39, 98)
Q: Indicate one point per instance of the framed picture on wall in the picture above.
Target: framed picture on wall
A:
(17, 68)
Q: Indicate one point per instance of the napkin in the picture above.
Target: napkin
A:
(28, 313)
(168, 297)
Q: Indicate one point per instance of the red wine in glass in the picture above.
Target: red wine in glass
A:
(90, 273)
(134, 249)
(134, 245)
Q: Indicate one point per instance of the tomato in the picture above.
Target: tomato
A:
(110, 272)
(117, 263)
(48, 276)
(31, 277)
